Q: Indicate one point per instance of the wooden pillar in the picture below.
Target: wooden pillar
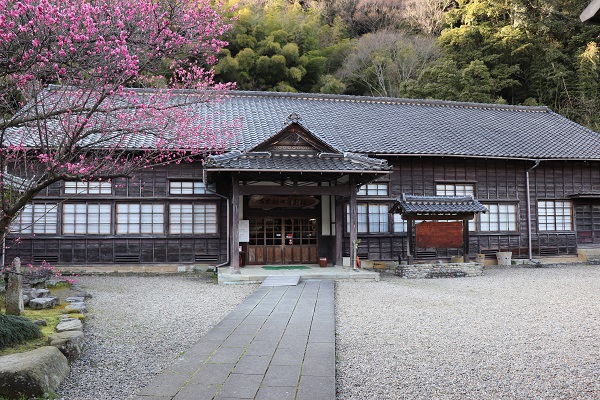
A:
(353, 221)
(235, 224)
(466, 240)
(339, 231)
(410, 251)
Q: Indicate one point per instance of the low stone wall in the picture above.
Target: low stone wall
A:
(454, 270)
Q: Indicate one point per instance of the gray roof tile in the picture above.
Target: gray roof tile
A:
(420, 127)
(423, 205)
(323, 162)
(380, 126)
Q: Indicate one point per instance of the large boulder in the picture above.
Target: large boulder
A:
(33, 373)
(70, 343)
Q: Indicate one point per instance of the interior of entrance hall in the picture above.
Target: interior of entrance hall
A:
(283, 240)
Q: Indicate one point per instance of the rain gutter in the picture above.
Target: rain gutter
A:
(527, 192)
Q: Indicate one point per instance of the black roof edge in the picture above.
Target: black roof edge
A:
(389, 100)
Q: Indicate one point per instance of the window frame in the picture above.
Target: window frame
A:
(201, 190)
(170, 220)
(489, 213)
(99, 223)
(32, 223)
(455, 184)
(139, 223)
(367, 219)
(365, 190)
(88, 188)
(571, 220)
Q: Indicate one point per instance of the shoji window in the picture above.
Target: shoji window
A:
(145, 218)
(194, 218)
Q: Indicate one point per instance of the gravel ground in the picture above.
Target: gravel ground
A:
(138, 325)
(521, 333)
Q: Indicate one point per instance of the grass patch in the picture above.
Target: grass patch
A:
(52, 317)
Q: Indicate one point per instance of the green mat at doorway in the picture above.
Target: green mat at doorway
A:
(276, 267)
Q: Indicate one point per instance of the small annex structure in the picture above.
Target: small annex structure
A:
(437, 208)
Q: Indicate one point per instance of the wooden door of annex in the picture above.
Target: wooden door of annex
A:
(587, 222)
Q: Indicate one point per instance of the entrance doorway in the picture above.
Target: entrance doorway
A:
(282, 240)
(587, 222)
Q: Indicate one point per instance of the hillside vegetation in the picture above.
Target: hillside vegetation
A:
(531, 52)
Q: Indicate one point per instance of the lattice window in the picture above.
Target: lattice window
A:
(145, 218)
(373, 189)
(454, 189)
(95, 187)
(500, 217)
(87, 218)
(36, 218)
(555, 215)
(190, 187)
(193, 218)
(372, 218)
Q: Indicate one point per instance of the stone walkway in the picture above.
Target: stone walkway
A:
(278, 344)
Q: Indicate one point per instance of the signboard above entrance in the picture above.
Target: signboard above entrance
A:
(267, 202)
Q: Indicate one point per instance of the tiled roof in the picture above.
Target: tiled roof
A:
(420, 127)
(387, 126)
(322, 162)
(423, 205)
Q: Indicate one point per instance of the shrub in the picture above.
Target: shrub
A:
(14, 329)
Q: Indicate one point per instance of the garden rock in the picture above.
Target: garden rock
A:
(70, 343)
(81, 292)
(43, 302)
(78, 307)
(31, 293)
(71, 324)
(41, 322)
(43, 292)
(75, 299)
(32, 373)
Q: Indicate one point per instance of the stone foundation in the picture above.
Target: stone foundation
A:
(454, 270)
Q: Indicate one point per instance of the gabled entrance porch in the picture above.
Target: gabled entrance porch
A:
(288, 197)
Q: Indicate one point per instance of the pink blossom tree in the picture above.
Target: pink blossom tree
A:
(94, 90)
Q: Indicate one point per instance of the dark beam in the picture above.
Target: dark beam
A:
(435, 217)
(235, 224)
(294, 190)
(353, 221)
(466, 240)
(411, 251)
(339, 231)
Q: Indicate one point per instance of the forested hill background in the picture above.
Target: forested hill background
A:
(530, 52)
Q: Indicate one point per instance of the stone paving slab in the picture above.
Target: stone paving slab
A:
(278, 344)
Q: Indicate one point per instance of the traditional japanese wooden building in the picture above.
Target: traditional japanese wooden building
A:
(310, 175)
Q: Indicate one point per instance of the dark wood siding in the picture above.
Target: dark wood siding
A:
(494, 181)
(147, 186)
